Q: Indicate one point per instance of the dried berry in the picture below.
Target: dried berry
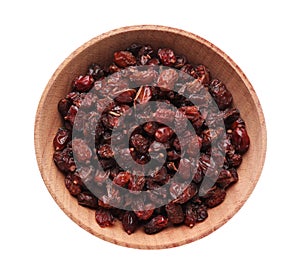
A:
(61, 139)
(163, 134)
(83, 83)
(227, 177)
(81, 150)
(143, 95)
(105, 151)
(240, 140)
(140, 143)
(73, 184)
(167, 79)
(130, 222)
(220, 93)
(64, 106)
(214, 197)
(104, 218)
(88, 200)
(175, 213)
(124, 59)
(96, 71)
(167, 57)
(64, 160)
(157, 224)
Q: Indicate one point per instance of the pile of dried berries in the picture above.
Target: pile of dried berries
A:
(81, 115)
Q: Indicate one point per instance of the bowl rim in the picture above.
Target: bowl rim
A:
(176, 31)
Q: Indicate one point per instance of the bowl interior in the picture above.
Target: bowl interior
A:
(197, 50)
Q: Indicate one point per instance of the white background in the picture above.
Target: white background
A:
(262, 37)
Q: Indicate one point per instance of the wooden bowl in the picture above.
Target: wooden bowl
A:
(197, 50)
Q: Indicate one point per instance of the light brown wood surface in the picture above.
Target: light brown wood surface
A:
(197, 50)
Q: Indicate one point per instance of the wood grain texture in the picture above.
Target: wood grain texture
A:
(197, 50)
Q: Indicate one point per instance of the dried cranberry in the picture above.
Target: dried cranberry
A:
(82, 152)
(150, 128)
(155, 225)
(124, 59)
(220, 93)
(64, 160)
(88, 200)
(64, 106)
(143, 95)
(130, 222)
(183, 192)
(167, 79)
(96, 71)
(175, 213)
(105, 151)
(163, 134)
(227, 177)
(83, 83)
(72, 112)
(214, 197)
(144, 214)
(123, 178)
(240, 140)
(137, 183)
(73, 184)
(167, 56)
(61, 139)
(203, 74)
(140, 143)
(104, 218)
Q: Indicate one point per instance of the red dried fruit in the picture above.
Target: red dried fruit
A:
(167, 57)
(105, 151)
(140, 143)
(227, 177)
(73, 184)
(124, 59)
(143, 95)
(155, 225)
(220, 93)
(163, 134)
(122, 179)
(64, 160)
(240, 140)
(130, 222)
(167, 79)
(214, 197)
(61, 139)
(88, 200)
(175, 213)
(83, 83)
(104, 218)
(81, 150)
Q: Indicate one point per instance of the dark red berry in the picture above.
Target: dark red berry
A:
(83, 83)
(130, 222)
(166, 56)
(157, 224)
(61, 139)
(104, 217)
(124, 59)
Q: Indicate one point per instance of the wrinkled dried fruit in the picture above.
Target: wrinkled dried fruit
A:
(130, 222)
(124, 59)
(157, 224)
(104, 217)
